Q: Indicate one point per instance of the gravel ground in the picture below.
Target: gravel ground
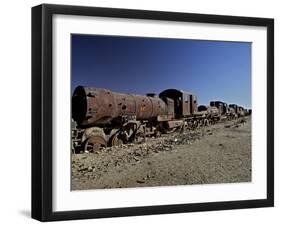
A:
(219, 153)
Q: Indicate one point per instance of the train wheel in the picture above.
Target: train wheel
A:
(139, 137)
(206, 122)
(195, 125)
(170, 130)
(115, 140)
(186, 126)
(96, 141)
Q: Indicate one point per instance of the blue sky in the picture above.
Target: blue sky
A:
(213, 70)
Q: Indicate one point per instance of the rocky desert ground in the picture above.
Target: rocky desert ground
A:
(219, 153)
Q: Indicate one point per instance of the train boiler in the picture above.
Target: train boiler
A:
(101, 107)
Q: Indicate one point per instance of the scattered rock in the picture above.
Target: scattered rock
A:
(83, 169)
(140, 181)
(113, 166)
(137, 159)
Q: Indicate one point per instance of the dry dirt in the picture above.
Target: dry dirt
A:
(219, 153)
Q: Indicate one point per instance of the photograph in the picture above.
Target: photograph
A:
(149, 112)
(142, 112)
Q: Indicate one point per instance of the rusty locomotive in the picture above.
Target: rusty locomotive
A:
(105, 118)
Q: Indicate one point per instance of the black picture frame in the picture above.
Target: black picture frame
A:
(42, 111)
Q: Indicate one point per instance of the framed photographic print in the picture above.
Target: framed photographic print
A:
(146, 112)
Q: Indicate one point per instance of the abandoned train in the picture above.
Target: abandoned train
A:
(105, 118)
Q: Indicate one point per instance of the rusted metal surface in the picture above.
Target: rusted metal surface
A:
(175, 123)
(207, 111)
(95, 139)
(103, 117)
(221, 106)
(92, 106)
(234, 107)
(213, 111)
(241, 111)
(185, 103)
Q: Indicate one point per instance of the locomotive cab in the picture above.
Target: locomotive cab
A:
(185, 103)
(241, 111)
(222, 107)
(235, 107)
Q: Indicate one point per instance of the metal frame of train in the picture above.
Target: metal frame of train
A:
(104, 118)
